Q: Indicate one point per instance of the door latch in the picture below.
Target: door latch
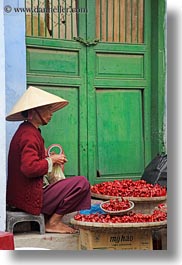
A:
(86, 42)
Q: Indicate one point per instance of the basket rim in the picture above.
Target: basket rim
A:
(89, 225)
(134, 199)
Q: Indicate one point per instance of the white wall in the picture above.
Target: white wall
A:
(15, 52)
(2, 122)
(12, 82)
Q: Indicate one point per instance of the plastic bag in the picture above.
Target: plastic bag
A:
(95, 208)
(156, 171)
(56, 174)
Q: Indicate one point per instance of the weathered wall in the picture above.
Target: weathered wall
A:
(2, 122)
(15, 51)
(12, 80)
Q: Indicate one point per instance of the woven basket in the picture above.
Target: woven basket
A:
(142, 204)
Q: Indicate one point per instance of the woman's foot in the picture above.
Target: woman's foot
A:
(59, 228)
(54, 225)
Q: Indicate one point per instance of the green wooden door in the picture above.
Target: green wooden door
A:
(108, 67)
(119, 90)
(58, 66)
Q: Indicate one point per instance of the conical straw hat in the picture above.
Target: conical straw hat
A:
(32, 98)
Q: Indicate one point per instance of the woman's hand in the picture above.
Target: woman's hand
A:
(58, 159)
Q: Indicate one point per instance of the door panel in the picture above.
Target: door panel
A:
(52, 18)
(65, 133)
(52, 61)
(119, 132)
(120, 21)
(122, 66)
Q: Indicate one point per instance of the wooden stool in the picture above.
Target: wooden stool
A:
(13, 217)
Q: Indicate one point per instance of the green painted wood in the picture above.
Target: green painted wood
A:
(119, 82)
(82, 18)
(122, 66)
(64, 129)
(128, 48)
(67, 126)
(119, 132)
(114, 123)
(147, 91)
(50, 62)
(52, 43)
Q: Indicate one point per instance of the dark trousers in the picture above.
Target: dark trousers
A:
(66, 196)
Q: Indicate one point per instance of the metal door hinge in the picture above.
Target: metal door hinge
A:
(86, 42)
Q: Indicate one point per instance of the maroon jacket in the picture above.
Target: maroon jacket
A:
(26, 167)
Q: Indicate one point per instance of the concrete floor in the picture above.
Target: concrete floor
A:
(51, 241)
(48, 241)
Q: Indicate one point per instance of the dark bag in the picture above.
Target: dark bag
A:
(156, 171)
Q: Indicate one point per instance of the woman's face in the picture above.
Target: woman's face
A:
(44, 114)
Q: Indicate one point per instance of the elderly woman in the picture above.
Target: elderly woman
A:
(28, 163)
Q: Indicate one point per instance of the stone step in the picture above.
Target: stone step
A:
(52, 241)
(49, 241)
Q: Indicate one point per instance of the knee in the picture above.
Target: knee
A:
(85, 183)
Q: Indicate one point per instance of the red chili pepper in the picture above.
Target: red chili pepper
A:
(116, 205)
(156, 216)
(129, 188)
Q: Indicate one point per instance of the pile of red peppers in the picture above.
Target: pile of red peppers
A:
(129, 188)
(116, 205)
(156, 216)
